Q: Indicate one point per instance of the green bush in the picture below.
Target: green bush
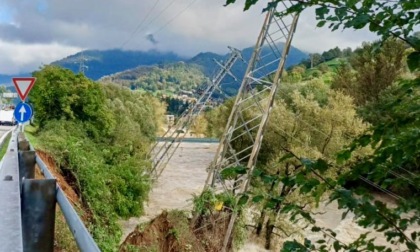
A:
(99, 136)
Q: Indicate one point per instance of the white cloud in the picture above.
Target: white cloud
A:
(58, 28)
(310, 38)
(23, 58)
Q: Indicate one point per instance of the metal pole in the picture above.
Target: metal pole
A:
(38, 201)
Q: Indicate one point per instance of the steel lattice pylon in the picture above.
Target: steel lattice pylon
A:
(161, 154)
(253, 104)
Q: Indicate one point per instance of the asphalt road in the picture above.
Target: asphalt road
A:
(4, 129)
(10, 218)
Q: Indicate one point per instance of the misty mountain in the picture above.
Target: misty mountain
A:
(229, 85)
(168, 78)
(97, 64)
(187, 76)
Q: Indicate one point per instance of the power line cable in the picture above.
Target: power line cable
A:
(160, 13)
(140, 25)
(145, 18)
(174, 17)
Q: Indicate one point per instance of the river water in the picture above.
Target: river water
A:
(185, 175)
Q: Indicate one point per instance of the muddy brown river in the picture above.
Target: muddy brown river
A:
(185, 175)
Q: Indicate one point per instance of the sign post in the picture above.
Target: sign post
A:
(23, 112)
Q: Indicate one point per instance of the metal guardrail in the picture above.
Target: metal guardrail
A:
(27, 205)
(82, 236)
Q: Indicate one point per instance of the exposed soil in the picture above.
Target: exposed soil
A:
(61, 180)
(174, 231)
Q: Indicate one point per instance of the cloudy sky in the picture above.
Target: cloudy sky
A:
(36, 32)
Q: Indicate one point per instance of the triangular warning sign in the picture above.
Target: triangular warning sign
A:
(23, 86)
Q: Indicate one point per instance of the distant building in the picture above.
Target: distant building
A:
(170, 120)
(186, 93)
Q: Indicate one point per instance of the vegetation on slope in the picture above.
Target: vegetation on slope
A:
(164, 78)
(99, 136)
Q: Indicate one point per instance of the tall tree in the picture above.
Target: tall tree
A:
(60, 94)
(375, 70)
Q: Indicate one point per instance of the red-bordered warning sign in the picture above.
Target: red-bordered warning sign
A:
(23, 85)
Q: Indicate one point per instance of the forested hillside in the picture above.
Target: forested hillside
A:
(122, 66)
(97, 64)
(168, 78)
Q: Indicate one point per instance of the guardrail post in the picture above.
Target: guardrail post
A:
(23, 144)
(26, 165)
(26, 159)
(38, 202)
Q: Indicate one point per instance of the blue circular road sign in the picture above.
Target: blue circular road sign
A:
(23, 112)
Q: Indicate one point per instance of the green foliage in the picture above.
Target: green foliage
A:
(204, 204)
(106, 166)
(394, 139)
(4, 146)
(315, 121)
(413, 61)
(176, 106)
(169, 78)
(59, 94)
(217, 118)
(344, 79)
(374, 71)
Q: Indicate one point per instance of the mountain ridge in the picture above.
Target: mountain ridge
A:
(100, 63)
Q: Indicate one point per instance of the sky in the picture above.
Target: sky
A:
(37, 32)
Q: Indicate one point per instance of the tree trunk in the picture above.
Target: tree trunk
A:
(268, 234)
(260, 222)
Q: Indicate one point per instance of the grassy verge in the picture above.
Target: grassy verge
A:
(30, 132)
(4, 146)
(63, 237)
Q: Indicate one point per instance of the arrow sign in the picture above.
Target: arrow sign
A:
(23, 112)
(23, 86)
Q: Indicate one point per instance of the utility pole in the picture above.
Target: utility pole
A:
(252, 107)
(161, 154)
(82, 65)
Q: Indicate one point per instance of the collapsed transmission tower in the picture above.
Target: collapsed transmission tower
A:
(161, 154)
(241, 141)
